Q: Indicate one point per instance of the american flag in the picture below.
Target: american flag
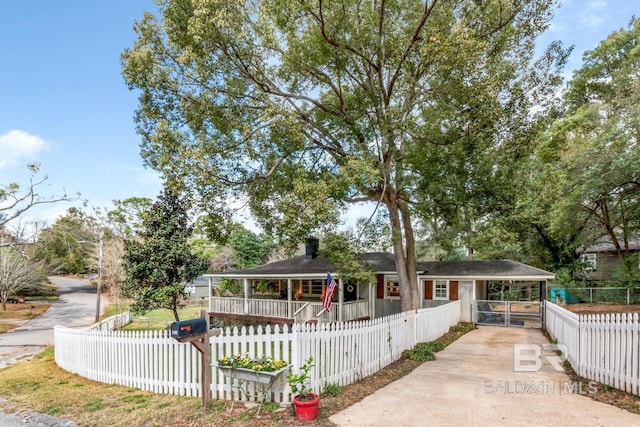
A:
(331, 287)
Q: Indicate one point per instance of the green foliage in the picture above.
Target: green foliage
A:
(251, 249)
(333, 389)
(158, 262)
(342, 248)
(590, 156)
(229, 285)
(265, 286)
(424, 351)
(62, 246)
(299, 382)
(128, 214)
(300, 108)
(421, 352)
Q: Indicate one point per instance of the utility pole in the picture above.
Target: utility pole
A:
(98, 245)
(99, 288)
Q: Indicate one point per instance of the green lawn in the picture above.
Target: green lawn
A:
(153, 320)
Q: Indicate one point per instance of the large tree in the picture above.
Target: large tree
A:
(62, 246)
(158, 261)
(302, 106)
(592, 151)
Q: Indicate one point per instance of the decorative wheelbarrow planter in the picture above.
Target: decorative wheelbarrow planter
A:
(264, 381)
(261, 377)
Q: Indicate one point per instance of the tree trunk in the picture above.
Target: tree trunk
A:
(405, 255)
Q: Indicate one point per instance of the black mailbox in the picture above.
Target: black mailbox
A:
(186, 328)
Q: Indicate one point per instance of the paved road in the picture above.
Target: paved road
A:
(473, 383)
(75, 308)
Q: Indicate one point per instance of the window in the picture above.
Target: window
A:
(306, 287)
(441, 289)
(392, 288)
(589, 261)
(316, 287)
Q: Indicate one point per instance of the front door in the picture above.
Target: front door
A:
(465, 294)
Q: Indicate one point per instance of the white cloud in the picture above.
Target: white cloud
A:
(18, 146)
(593, 15)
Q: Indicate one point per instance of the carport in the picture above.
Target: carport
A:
(492, 292)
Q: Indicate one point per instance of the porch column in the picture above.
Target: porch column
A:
(543, 297)
(372, 301)
(210, 293)
(420, 291)
(289, 298)
(246, 296)
(340, 300)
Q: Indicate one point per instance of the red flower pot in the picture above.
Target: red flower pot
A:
(307, 408)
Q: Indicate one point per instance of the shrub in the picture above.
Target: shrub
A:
(421, 352)
(332, 389)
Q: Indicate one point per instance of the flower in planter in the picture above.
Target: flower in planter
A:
(262, 363)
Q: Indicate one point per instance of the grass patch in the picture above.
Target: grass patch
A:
(24, 311)
(40, 385)
(6, 327)
(332, 390)
(154, 320)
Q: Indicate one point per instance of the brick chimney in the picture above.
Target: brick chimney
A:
(311, 248)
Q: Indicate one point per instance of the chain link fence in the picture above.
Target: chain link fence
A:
(618, 295)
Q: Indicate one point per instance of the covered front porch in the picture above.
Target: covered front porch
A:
(295, 311)
(295, 299)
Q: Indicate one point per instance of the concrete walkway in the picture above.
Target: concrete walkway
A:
(473, 383)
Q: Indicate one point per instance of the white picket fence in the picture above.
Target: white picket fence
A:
(113, 322)
(602, 347)
(564, 326)
(343, 352)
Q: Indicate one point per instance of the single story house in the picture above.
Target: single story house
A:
(293, 289)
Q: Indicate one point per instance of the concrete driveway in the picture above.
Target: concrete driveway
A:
(473, 383)
(74, 308)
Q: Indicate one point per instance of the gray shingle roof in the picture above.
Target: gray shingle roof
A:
(385, 262)
(482, 269)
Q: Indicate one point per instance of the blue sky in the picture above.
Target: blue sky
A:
(63, 101)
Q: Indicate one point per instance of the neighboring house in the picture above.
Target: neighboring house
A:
(603, 263)
(198, 288)
(296, 287)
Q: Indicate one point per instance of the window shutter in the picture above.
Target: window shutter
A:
(380, 287)
(428, 289)
(453, 290)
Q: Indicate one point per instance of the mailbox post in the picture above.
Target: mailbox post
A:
(196, 331)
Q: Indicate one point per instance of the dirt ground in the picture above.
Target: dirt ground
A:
(602, 308)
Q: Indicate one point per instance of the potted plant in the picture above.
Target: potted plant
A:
(304, 400)
(265, 286)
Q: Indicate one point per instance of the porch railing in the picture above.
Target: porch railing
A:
(279, 308)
